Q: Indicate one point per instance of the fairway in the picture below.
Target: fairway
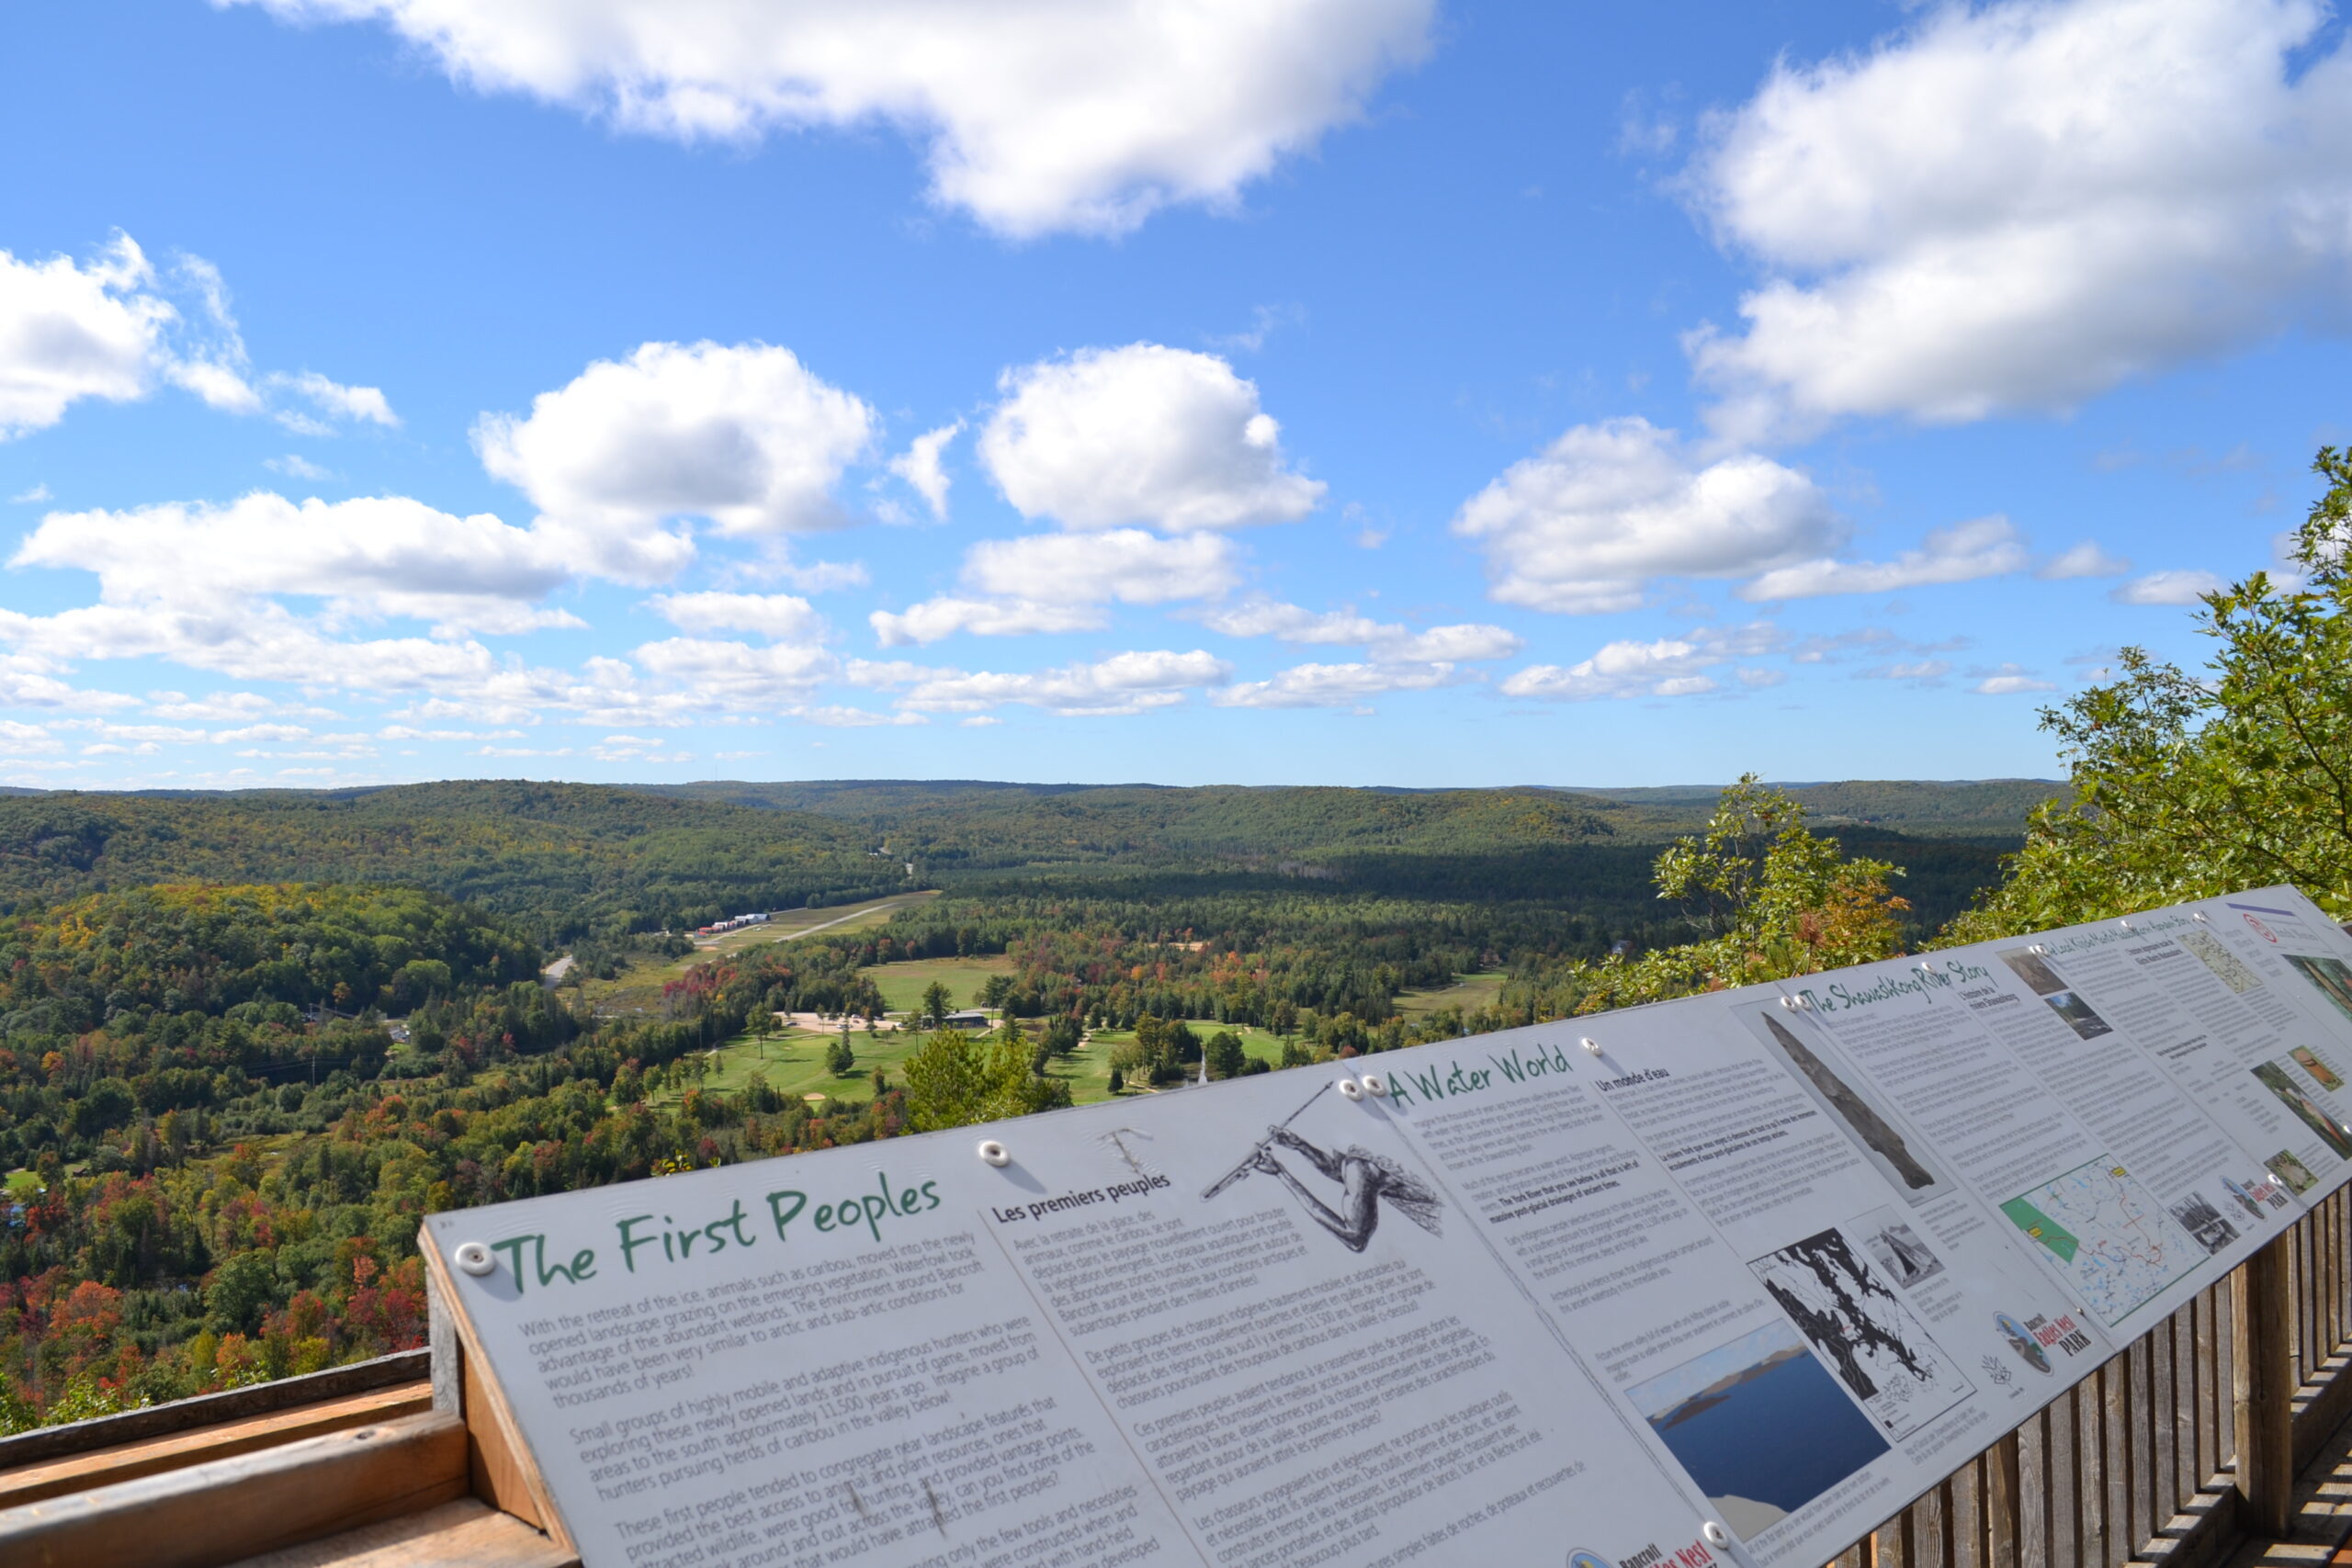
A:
(794, 1066)
(1467, 992)
(1258, 1043)
(903, 985)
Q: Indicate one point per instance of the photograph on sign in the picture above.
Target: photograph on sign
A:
(2044, 982)
(1901, 1255)
(2201, 1219)
(1859, 1326)
(2304, 1106)
(2321, 1073)
(2332, 977)
(1760, 1424)
(1902, 1158)
(2293, 1171)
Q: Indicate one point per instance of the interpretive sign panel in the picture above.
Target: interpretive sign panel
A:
(1726, 1280)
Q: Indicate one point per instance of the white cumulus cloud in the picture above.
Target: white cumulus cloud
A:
(1140, 434)
(2085, 559)
(951, 615)
(2020, 205)
(1334, 685)
(743, 435)
(1606, 509)
(1965, 552)
(384, 555)
(1668, 667)
(1123, 683)
(1035, 115)
(920, 466)
(2178, 587)
(1058, 582)
(717, 673)
(1466, 643)
(781, 616)
(71, 331)
(114, 327)
(358, 404)
(2008, 681)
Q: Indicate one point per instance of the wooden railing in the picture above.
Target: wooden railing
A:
(2142, 1461)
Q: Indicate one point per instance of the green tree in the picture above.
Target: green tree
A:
(1226, 1059)
(240, 1290)
(2190, 784)
(840, 1058)
(936, 1005)
(1063, 1035)
(1775, 900)
(954, 1080)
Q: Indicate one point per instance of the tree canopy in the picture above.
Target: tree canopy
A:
(2193, 783)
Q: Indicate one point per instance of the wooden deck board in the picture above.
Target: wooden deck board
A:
(128, 1461)
(466, 1534)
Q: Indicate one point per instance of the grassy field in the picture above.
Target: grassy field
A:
(903, 984)
(795, 1065)
(1254, 1042)
(1468, 991)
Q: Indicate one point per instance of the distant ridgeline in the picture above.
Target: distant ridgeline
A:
(576, 861)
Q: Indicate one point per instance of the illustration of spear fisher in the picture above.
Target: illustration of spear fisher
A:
(1365, 1179)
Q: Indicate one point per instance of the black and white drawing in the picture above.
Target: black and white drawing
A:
(1896, 1249)
(1365, 1180)
(1879, 1350)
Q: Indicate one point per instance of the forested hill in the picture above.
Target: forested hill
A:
(572, 859)
(1000, 824)
(1588, 851)
(581, 861)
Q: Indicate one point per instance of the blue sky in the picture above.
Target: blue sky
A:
(1358, 391)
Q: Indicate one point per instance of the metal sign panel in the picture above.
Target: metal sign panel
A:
(1730, 1278)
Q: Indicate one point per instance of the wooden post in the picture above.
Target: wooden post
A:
(448, 1354)
(2001, 1499)
(2263, 1391)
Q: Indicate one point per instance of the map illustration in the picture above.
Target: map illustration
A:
(2117, 1245)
